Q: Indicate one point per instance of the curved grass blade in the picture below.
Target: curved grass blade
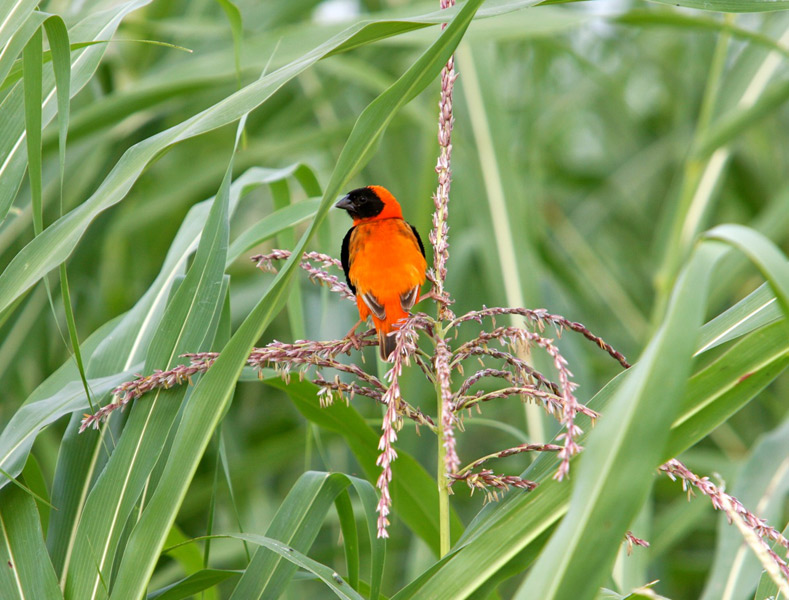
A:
(116, 346)
(13, 15)
(764, 254)
(369, 499)
(193, 584)
(521, 519)
(735, 6)
(12, 134)
(677, 20)
(27, 572)
(712, 395)
(17, 43)
(297, 523)
(18, 437)
(32, 90)
(332, 580)
(718, 391)
(757, 309)
(197, 302)
(271, 225)
(350, 537)
(414, 491)
(236, 28)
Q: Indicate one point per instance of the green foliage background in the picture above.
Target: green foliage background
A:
(594, 143)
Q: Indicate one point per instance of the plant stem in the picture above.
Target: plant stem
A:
(441, 476)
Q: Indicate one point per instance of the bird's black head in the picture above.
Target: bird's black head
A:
(362, 203)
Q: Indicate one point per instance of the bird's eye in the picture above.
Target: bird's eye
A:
(363, 200)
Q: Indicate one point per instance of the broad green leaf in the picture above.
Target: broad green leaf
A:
(296, 524)
(18, 437)
(197, 301)
(14, 47)
(414, 491)
(214, 391)
(719, 390)
(113, 351)
(83, 64)
(193, 584)
(712, 395)
(736, 6)
(32, 91)
(678, 20)
(35, 481)
(27, 572)
(13, 15)
(272, 224)
(500, 532)
(611, 482)
(764, 254)
(350, 537)
(756, 310)
(324, 573)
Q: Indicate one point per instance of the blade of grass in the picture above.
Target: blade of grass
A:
(83, 65)
(12, 16)
(194, 304)
(27, 572)
(193, 584)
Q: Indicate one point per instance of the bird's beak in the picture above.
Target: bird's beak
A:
(344, 203)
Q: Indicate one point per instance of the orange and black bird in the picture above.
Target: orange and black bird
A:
(383, 259)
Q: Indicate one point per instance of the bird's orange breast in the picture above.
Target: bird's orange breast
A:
(385, 259)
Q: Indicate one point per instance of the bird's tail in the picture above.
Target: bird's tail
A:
(386, 342)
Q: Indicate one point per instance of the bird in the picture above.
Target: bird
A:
(383, 259)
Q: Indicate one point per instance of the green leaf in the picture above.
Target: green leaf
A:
(350, 537)
(18, 437)
(297, 522)
(17, 43)
(26, 571)
(197, 301)
(324, 573)
(764, 254)
(677, 20)
(36, 482)
(32, 89)
(83, 65)
(12, 17)
(757, 309)
(193, 584)
(735, 6)
(601, 504)
(611, 481)
(414, 491)
(719, 390)
(236, 28)
(271, 225)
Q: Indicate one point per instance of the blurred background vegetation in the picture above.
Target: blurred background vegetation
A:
(578, 147)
